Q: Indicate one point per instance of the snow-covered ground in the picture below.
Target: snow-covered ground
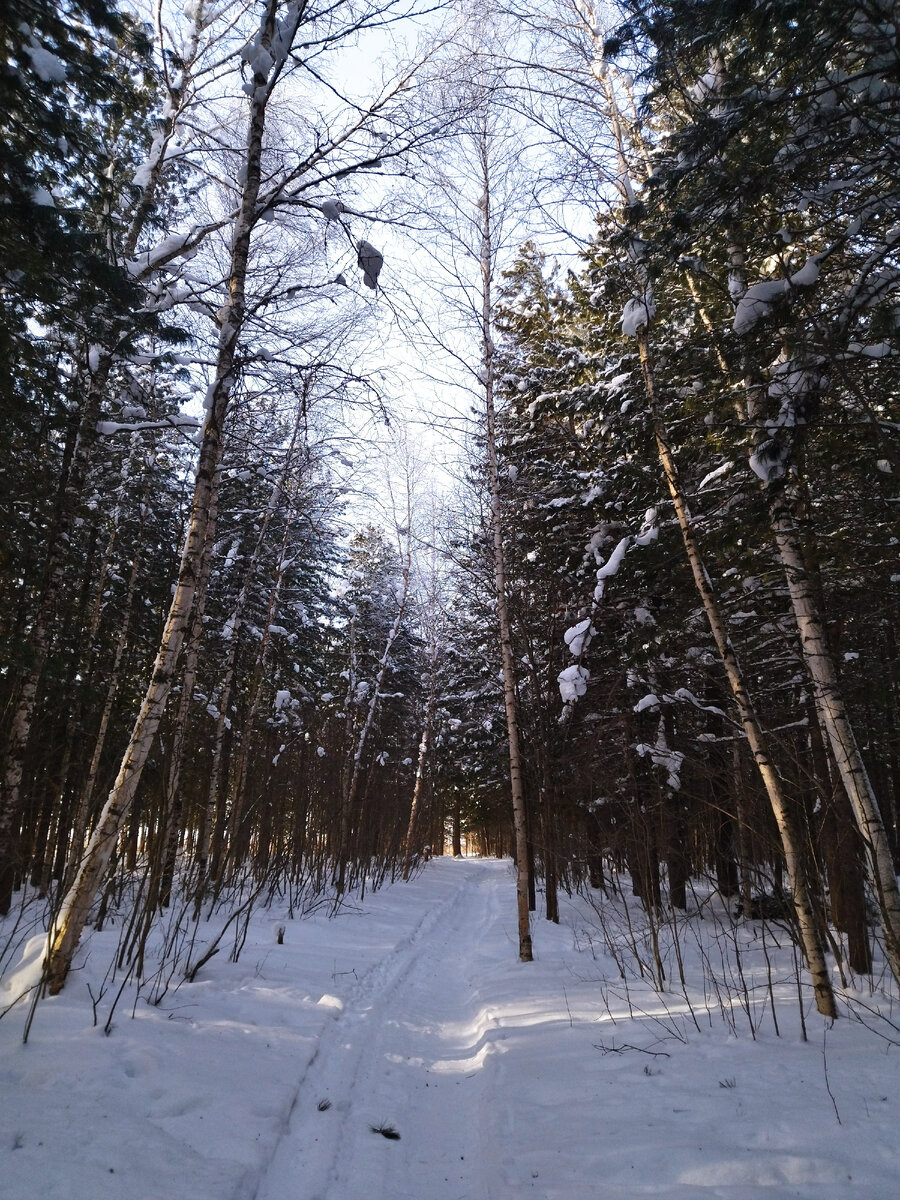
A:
(409, 1013)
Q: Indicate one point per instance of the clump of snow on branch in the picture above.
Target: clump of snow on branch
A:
(573, 683)
(637, 314)
(795, 386)
(370, 261)
(578, 636)
(758, 299)
(45, 64)
(649, 532)
(661, 756)
(332, 209)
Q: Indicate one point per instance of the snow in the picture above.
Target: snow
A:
(638, 313)
(756, 302)
(108, 428)
(724, 469)
(144, 172)
(174, 246)
(875, 350)
(564, 1079)
(573, 683)
(370, 261)
(611, 566)
(45, 64)
(662, 756)
(576, 637)
(807, 275)
(649, 530)
(261, 62)
(768, 460)
(758, 299)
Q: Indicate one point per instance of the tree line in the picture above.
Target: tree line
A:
(653, 634)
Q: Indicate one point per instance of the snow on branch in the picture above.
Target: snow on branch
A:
(573, 680)
(661, 756)
(649, 532)
(109, 428)
(757, 301)
(652, 702)
(637, 314)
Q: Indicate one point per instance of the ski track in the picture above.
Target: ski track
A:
(407, 1051)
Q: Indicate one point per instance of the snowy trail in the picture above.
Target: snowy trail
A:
(561, 1079)
(407, 1052)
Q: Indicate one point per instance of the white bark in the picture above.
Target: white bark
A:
(832, 711)
(506, 653)
(76, 905)
(819, 661)
(802, 900)
(355, 765)
(95, 384)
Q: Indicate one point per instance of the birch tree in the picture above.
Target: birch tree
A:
(292, 182)
(476, 217)
(818, 294)
(636, 322)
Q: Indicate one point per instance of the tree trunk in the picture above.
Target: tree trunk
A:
(843, 853)
(802, 898)
(352, 788)
(506, 652)
(424, 743)
(173, 801)
(72, 485)
(40, 635)
(76, 906)
(820, 664)
(239, 818)
(455, 827)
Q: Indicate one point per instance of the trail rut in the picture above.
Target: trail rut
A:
(409, 1052)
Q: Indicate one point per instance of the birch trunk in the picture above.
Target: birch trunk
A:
(352, 790)
(509, 671)
(69, 499)
(424, 743)
(802, 899)
(173, 802)
(820, 664)
(77, 903)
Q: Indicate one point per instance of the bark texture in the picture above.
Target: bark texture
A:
(77, 903)
(802, 898)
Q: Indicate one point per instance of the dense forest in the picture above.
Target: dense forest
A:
(639, 266)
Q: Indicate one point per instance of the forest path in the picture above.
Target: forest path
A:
(552, 1080)
(407, 1052)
